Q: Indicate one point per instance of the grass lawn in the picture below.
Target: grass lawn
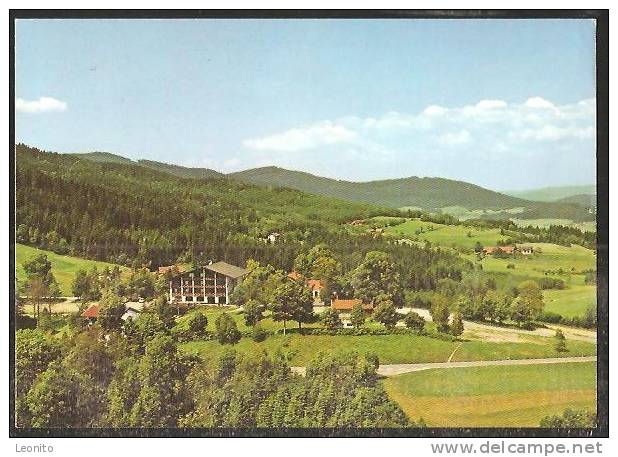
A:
(500, 396)
(570, 302)
(301, 349)
(213, 312)
(549, 257)
(589, 226)
(393, 348)
(64, 267)
(446, 235)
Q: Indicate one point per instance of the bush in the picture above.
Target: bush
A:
(357, 316)
(386, 314)
(457, 327)
(550, 317)
(227, 330)
(551, 283)
(528, 326)
(581, 418)
(197, 324)
(560, 341)
(510, 266)
(414, 321)
(258, 334)
(331, 319)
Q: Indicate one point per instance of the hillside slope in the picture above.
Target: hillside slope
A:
(103, 157)
(552, 194)
(181, 172)
(412, 191)
(426, 193)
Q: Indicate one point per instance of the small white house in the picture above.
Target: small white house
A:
(526, 250)
(272, 238)
(130, 313)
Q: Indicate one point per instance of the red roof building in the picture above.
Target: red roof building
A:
(294, 275)
(504, 249)
(347, 305)
(92, 312)
(173, 268)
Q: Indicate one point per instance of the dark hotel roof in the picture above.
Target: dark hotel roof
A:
(226, 269)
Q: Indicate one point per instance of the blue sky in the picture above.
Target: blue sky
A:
(507, 104)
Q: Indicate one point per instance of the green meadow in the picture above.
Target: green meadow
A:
(390, 349)
(494, 396)
(64, 267)
(445, 235)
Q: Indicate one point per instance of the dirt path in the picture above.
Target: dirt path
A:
(393, 370)
(400, 368)
(486, 332)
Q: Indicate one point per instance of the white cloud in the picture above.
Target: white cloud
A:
(553, 133)
(438, 136)
(491, 104)
(540, 103)
(42, 105)
(447, 141)
(455, 138)
(296, 139)
(434, 110)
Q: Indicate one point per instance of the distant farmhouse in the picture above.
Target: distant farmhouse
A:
(92, 312)
(132, 311)
(503, 249)
(315, 285)
(345, 306)
(208, 284)
(273, 237)
(525, 250)
(173, 269)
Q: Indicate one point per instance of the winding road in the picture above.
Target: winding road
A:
(400, 368)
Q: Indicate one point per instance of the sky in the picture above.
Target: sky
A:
(505, 104)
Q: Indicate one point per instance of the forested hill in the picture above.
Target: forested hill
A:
(176, 170)
(181, 172)
(103, 157)
(430, 194)
(552, 194)
(426, 193)
(134, 215)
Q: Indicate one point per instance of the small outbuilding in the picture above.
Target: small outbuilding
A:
(345, 306)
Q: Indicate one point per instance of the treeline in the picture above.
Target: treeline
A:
(94, 381)
(558, 234)
(132, 215)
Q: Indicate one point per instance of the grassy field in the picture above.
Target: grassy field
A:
(500, 396)
(583, 226)
(548, 257)
(393, 348)
(64, 267)
(548, 261)
(571, 302)
(446, 235)
(462, 213)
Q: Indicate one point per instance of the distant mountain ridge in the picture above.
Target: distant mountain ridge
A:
(180, 171)
(104, 157)
(176, 170)
(423, 192)
(554, 193)
(427, 193)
